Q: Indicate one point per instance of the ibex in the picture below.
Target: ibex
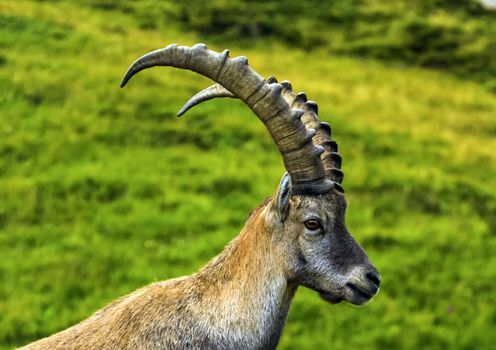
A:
(241, 298)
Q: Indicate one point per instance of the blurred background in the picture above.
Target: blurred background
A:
(104, 190)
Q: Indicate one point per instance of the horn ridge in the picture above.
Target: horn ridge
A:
(225, 56)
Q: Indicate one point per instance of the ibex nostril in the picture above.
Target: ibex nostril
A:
(374, 277)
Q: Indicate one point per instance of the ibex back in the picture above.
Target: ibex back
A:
(241, 298)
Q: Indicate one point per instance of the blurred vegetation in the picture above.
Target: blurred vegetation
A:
(103, 190)
(453, 35)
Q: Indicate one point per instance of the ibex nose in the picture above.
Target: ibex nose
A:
(373, 276)
(363, 284)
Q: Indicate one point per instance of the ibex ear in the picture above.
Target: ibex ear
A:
(281, 201)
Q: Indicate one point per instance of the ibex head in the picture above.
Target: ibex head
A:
(306, 216)
(318, 251)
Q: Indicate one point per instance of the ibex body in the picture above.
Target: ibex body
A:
(240, 299)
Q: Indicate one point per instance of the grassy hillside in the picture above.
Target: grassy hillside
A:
(456, 36)
(103, 190)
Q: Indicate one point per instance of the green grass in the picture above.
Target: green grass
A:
(456, 36)
(103, 190)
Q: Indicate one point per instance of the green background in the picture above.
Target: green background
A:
(104, 190)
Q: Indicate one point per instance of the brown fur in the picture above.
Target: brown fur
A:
(158, 315)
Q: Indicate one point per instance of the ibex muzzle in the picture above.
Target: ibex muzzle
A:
(241, 298)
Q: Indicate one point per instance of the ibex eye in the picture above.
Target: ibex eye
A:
(312, 224)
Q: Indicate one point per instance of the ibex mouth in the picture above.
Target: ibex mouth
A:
(358, 295)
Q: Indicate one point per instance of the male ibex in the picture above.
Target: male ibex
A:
(241, 298)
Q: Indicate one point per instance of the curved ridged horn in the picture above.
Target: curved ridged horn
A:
(301, 157)
(330, 157)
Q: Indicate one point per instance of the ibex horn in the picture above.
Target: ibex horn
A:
(294, 141)
(331, 159)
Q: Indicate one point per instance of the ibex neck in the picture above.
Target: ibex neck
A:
(248, 294)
